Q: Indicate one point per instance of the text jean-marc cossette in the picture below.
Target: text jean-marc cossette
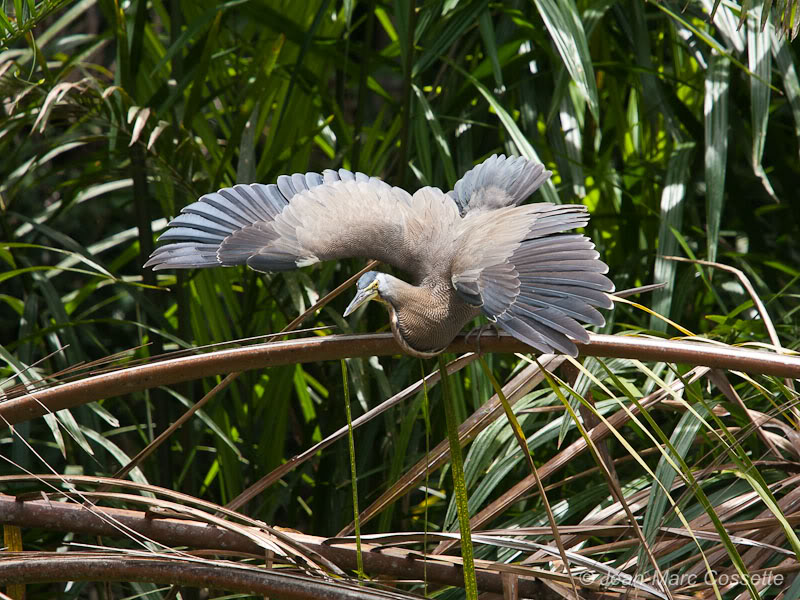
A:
(677, 580)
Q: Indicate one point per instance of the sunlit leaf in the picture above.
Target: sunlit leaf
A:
(716, 142)
(673, 202)
(566, 30)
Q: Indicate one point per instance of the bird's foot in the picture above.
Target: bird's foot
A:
(479, 331)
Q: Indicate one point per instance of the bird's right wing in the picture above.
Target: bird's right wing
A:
(528, 277)
(195, 235)
(355, 219)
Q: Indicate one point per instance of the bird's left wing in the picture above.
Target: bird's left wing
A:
(529, 277)
(497, 182)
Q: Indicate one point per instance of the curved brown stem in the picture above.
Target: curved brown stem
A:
(335, 347)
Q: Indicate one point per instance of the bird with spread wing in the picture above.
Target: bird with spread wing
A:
(471, 251)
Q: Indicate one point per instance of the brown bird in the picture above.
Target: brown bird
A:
(471, 251)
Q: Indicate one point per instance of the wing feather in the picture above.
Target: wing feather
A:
(538, 335)
(497, 182)
(185, 255)
(204, 225)
(359, 218)
(518, 263)
(535, 281)
(306, 218)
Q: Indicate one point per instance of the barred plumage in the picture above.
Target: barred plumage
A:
(473, 250)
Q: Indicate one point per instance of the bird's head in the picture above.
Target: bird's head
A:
(369, 287)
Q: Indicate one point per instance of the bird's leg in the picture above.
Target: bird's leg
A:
(479, 331)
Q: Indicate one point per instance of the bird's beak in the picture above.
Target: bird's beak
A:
(368, 293)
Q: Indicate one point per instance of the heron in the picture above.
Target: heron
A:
(475, 250)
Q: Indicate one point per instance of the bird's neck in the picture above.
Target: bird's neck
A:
(425, 318)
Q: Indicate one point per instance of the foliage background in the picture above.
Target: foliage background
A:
(680, 134)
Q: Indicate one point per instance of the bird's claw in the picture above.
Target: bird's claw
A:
(479, 331)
